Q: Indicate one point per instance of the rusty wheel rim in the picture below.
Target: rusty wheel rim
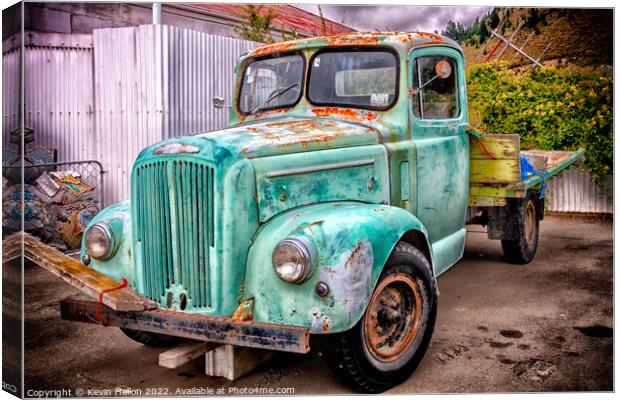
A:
(530, 224)
(392, 319)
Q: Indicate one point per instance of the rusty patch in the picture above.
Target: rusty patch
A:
(245, 311)
(270, 136)
(393, 317)
(344, 40)
(274, 48)
(347, 113)
(326, 324)
(303, 124)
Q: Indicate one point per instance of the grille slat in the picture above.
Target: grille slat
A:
(205, 243)
(180, 193)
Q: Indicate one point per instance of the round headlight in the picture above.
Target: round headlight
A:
(292, 260)
(99, 241)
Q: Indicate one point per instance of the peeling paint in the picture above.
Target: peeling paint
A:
(351, 285)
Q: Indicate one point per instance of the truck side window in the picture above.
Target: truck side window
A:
(435, 88)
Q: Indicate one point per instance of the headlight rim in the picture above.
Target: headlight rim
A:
(109, 235)
(306, 250)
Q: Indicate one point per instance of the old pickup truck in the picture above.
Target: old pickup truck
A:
(328, 208)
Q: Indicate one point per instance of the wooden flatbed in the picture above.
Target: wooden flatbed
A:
(500, 170)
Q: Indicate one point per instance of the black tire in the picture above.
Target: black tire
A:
(150, 339)
(523, 249)
(351, 355)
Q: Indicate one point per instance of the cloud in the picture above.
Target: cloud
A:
(398, 18)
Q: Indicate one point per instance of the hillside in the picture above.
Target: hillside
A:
(578, 37)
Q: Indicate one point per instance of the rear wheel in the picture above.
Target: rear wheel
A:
(149, 338)
(389, 341)
(523, 249)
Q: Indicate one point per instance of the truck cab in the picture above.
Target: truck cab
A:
(331, 204)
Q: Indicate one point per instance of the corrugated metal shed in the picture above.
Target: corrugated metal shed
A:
(575, 192)
(153, 82)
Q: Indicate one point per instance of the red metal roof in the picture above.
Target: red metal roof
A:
(286, 16)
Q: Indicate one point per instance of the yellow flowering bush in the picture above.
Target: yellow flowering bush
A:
(550, 109)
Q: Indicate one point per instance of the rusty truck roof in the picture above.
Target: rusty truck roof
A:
(393, 39)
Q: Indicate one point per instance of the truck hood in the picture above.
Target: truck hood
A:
(267, 138)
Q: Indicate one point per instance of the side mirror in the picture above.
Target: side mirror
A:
(443, 69)
(218, 102)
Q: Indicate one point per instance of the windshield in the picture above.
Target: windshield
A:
(365, 79)
(271, 83)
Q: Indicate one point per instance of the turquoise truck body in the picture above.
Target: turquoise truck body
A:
(207, 210)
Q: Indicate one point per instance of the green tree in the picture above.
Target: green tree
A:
(257, 25)
(477, 32)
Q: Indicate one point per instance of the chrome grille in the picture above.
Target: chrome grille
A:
(174, 223)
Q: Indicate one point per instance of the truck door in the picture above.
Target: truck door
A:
(438, 113)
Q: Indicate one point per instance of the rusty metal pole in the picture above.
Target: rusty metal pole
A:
(517, 49)
(541, 56)
(509, 42)
(521, 47)
(156, 13)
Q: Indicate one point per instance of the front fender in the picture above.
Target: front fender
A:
(120, 265)
(352, 242)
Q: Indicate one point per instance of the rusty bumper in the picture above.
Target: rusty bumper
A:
(260, 335)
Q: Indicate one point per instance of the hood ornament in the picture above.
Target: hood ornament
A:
(176, 148)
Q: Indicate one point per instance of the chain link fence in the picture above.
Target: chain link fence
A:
(55, 202)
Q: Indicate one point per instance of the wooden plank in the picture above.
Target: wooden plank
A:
(495, 191)
(77, 274)
(233, 362)
(12, 247)
(495, 171)
(502, 147)
(183, 354)
(487, 201)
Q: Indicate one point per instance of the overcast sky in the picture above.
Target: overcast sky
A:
(398, 18)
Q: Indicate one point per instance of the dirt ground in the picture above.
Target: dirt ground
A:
(546, 326)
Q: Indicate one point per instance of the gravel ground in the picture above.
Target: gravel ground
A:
(546, 326)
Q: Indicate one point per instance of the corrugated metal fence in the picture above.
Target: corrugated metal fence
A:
(153, 82)
(10, 93)
(575, 192)
(58, 94)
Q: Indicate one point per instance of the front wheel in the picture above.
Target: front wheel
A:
(523, 249)
(389, 341)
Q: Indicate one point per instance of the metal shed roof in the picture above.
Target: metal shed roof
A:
(286, 16)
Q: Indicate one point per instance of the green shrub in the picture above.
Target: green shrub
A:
(550, 110)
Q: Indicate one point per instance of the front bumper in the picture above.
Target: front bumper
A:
(260, 335)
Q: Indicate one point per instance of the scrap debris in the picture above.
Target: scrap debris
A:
(56, 207)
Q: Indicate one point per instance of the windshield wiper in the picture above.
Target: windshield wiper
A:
(275, 94)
